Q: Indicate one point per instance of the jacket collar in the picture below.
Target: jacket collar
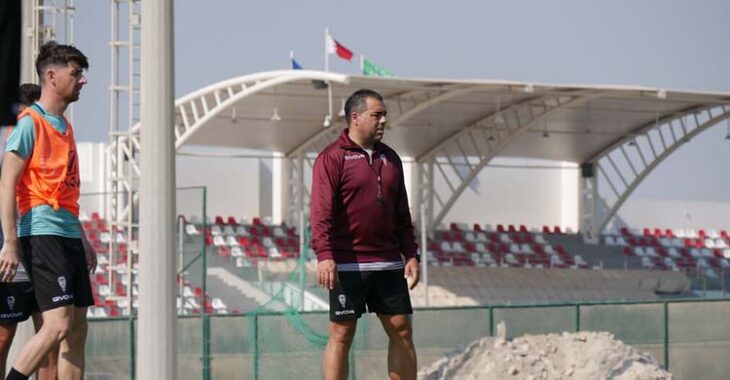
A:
(345, 142)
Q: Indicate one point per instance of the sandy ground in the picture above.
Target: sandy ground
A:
(583, 355)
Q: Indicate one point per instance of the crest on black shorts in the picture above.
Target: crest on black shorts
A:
(62, 283)
(11, 302)
(342, 300)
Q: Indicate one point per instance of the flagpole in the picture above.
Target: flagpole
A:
(326, 50)
(291, 59)
(362, 64)
(328, 117)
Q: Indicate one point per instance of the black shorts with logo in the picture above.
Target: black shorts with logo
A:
(57, 268)
(381, 292)
(17, 302)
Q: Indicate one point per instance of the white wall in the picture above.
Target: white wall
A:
(519, 194)
(675, 213)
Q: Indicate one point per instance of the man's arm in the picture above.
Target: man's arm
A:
(405, 235)
(12, 168)
(321, 216)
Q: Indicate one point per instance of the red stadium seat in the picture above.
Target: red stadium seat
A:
(219, 220)
(256, 221)
(546, 230)
(557, 230)
(523, 228)
(232, 221)
(477, 227)
(95, 216)
(511, 228)
(500, 228)
(625, 231)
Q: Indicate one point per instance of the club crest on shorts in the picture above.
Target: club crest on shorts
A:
(11, 302)
(342, 300)
(62, 283)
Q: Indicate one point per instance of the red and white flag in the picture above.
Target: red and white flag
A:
(334, 47)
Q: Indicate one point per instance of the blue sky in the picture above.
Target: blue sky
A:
(659, 43)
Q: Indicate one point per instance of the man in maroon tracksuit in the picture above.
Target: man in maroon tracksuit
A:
(363, 236)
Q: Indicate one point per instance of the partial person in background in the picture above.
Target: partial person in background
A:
(363, 237)
(40, 180)
(17, 301)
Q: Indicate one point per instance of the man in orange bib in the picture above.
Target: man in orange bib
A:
(40, 179)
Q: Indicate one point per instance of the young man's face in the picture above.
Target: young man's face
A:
(67, 81)
(370, 124)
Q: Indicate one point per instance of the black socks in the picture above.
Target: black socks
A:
(15, 375)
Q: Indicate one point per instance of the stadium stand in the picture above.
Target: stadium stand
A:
(469, 264)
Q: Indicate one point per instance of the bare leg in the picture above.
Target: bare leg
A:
(49, 365)
(7, 333)
(401, 351)
(334, 361)
(56, 325)
(71, 360)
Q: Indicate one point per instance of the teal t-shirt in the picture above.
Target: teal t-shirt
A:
(41, 220)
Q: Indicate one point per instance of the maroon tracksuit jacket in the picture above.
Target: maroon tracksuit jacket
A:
(351, 222)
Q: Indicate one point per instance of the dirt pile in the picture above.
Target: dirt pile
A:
(583, 355)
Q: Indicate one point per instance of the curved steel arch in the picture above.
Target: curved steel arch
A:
(195, 110)
(652, 143)
(486, 139)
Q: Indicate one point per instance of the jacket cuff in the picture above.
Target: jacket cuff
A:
(324, 255)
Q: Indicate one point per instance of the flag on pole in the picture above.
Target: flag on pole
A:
(294, 64)
(371, 69)
(334, 47)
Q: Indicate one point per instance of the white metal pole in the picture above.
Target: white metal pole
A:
(156, 345)
(326, 49)
(424, 253)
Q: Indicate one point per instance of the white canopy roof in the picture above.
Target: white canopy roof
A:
(422, 113)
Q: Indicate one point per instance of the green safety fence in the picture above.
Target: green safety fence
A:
(688, 337)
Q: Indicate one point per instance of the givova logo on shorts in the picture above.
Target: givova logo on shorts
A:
(64, 297)
(343, 302)
(11, 302)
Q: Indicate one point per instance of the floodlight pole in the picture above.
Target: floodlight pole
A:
(156, 346)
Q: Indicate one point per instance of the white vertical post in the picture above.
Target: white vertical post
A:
(326, 49)
(156, 344)
(424, 252)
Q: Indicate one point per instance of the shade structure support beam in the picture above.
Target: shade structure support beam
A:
(447, 170)
(623, 166)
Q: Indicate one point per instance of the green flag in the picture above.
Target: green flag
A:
(371, 69)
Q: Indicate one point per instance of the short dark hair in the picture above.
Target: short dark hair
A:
(29, 93)
(358, 102)
(52, 53)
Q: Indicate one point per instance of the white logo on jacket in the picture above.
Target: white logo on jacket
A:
(354, 157)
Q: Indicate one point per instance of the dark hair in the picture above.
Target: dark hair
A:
(51, 53)
(29, 93)
(358, 102)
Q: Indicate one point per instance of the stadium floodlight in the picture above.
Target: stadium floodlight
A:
(275, 116)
